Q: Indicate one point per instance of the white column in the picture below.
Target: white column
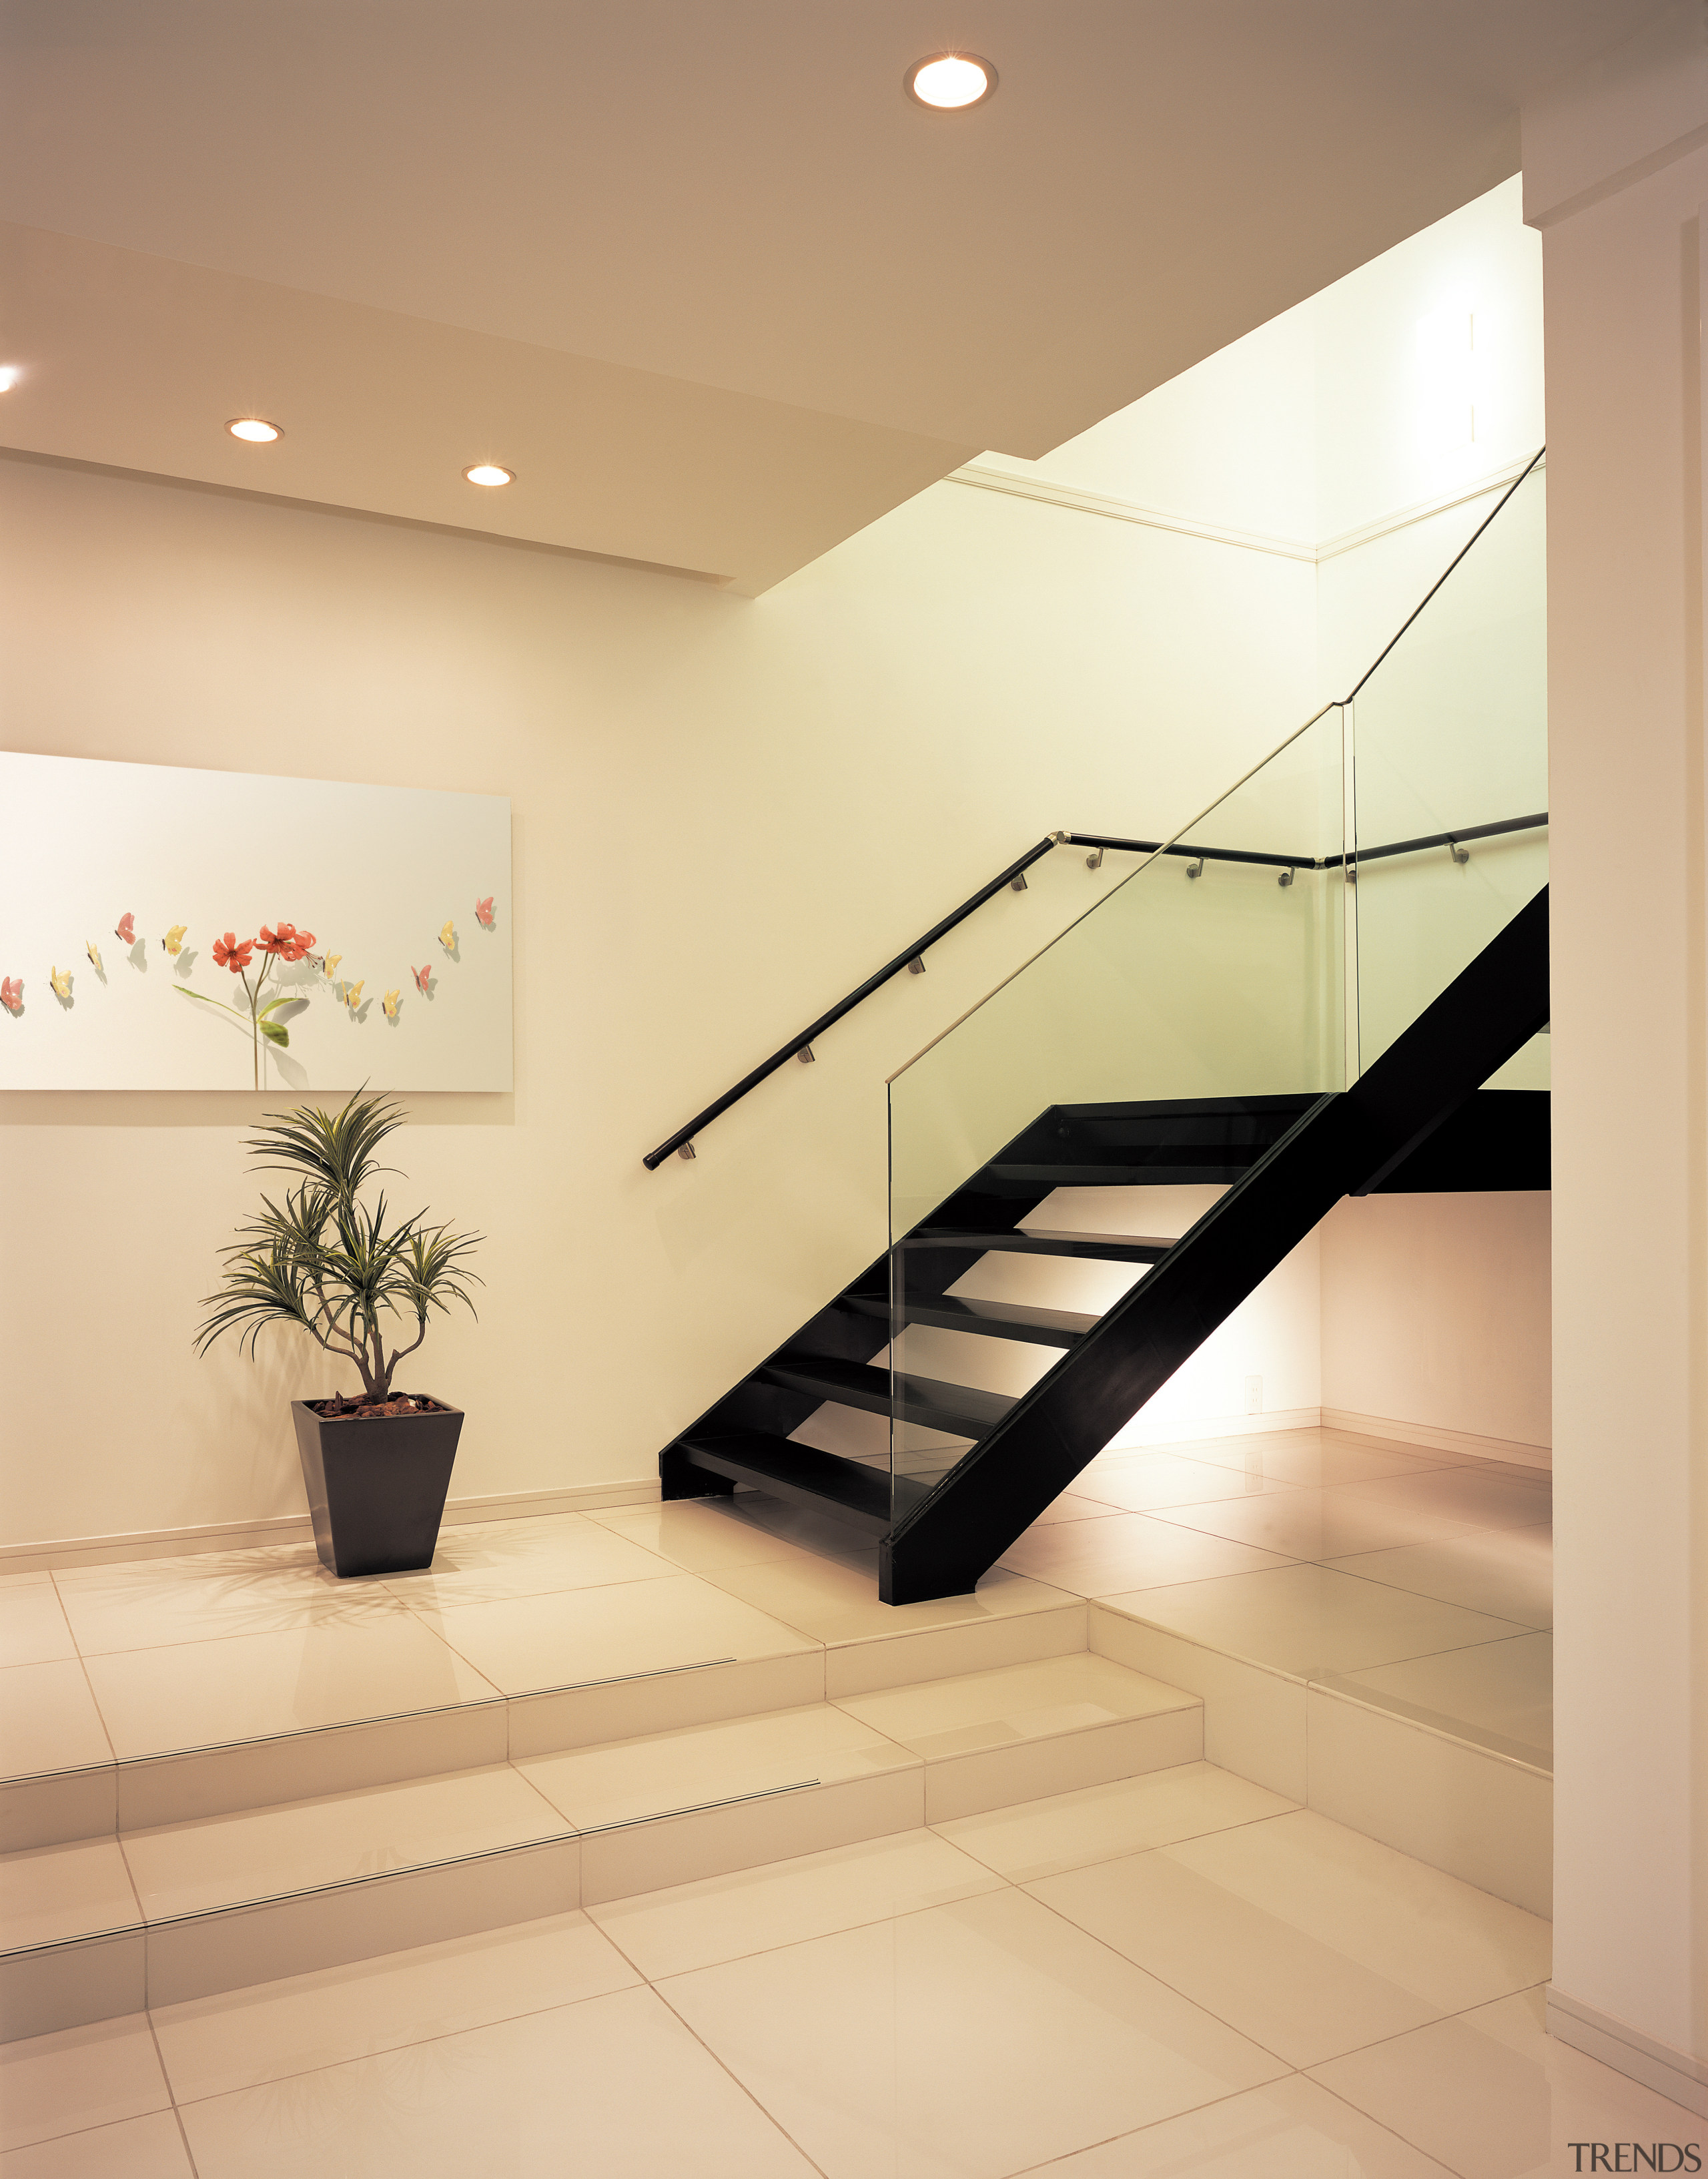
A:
(1616, 178)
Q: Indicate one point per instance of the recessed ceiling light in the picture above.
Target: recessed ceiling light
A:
(9, 376)
(949, 81)
(489, 472)
(255, 429)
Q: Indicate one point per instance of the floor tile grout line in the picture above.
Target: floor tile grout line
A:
(1459, 2013)
(1370, 2117)
(1186, 1581)
(1423, 1596)
(891, 1913)
(64, 1620)
(1245, 2034)
(1459, 1530)
(1198, 2004)
(1134, 2133)
(1319, 1677)
(1269, 1486)
(408, 2043)
(1376, 1581)
(1429, 1460)
(171, 2093)
(97, 2126)
(1307, 1677)
(652, 1982)
(1024, 1740)
(1126, 1853)
(998, 1882)
(730, 2074)
(100, 1714)
(1185, 1997)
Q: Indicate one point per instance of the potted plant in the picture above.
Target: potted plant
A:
(378, 1466)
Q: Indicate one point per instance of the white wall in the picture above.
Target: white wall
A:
(1412, 382)
(1231, 443)
(1617, 183)
(727, 813)
(1429, 381)
(1436, 1312)
(1429, 365)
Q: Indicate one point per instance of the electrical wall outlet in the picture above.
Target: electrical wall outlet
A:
(1254, 1395)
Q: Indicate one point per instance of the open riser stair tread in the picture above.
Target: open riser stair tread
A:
(995, 1320)
(1165, 1170)
(860, 1493)
(924, 1400)
(1047, 1241)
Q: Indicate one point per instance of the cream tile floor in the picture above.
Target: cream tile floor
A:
(1178, 1974)
(1414, 1581)
(1420, 1582)
(153, 1657)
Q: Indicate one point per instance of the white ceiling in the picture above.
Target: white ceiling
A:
(735, 198)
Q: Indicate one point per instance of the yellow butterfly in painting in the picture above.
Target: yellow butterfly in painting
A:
(61, 980)
(447, 936)
(353, 995)
(329, 965)
(389, 1003)
(93, 952)
(174, 940)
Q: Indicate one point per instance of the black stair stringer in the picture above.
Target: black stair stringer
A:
(1500, 1138)
(1349, 1142)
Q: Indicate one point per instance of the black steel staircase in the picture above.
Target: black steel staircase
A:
(1416, 1120)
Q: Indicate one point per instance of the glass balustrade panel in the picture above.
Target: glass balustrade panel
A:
(1215, 970)
(1448, 734)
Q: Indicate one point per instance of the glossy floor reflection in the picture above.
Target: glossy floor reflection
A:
(1418, 1582)
(1175, 1977)
(1412, 1581)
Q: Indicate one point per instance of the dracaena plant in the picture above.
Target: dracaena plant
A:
(322, 1258)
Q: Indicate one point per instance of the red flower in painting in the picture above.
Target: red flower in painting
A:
(228, 954)
(287, 941)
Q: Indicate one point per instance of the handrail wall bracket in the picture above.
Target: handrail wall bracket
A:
(1013, 879)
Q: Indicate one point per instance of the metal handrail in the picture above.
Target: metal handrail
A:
(1532, 824)
(1014, 875)
(800, 1047)
(682, 1142)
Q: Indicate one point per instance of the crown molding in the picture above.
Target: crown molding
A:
(1077, 500)
(1386, 526)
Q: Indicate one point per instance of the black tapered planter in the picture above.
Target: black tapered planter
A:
(376, 1485)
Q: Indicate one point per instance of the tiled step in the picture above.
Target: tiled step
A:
(1475, 1804)
(990, 1739)
(668, 1808)
(378, 1682)
(181, 1910)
